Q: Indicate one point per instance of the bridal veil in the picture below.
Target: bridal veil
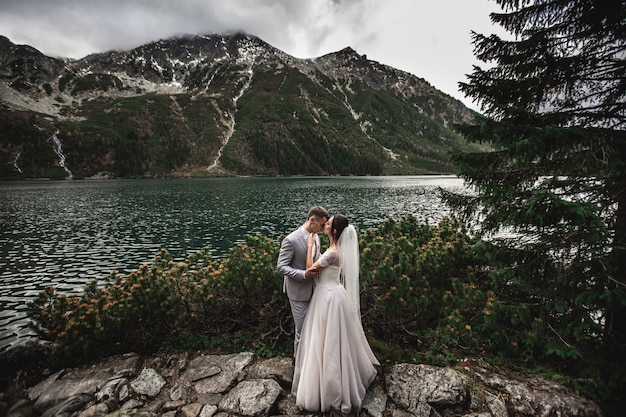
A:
(349, 258)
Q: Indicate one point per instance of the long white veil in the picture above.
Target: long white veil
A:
(349, 249)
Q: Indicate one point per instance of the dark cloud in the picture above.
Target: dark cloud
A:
(429, 39)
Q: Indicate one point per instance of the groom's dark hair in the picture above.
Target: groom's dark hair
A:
(319, 212)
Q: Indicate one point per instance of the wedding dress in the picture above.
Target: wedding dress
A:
(334, 362)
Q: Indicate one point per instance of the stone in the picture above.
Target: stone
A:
(251, 398)
(124, 393)
(67, 407)
(496, 406)
(176, 392)
(131, 404)
(173, 405)
(35, 392)
(532, 395)
(401, 413)
(66, 388)
(211, 399)
(148, 383)
(65, 384)
(416, 388)
(375, 401)
(477, 398)
(153, 406)
(171, 365)
(109, 392)
(141, 413)
(208, 411)
(197, 373)
(20, 408)
(120, 365)
(279, 369)
(231, 371)
(191, 410)
(287, 405)
(95, 410)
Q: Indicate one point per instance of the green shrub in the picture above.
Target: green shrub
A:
(429, 294)
(244, 292)
(417, 278)
(414, 278)
(132, 312)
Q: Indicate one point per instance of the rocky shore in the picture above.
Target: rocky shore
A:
(199, 384)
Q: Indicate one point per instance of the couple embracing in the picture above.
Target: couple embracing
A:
(334, 364)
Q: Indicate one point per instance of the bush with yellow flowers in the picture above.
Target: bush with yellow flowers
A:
(243, 296)
(420, 290)
(145, 308)
(121, 312)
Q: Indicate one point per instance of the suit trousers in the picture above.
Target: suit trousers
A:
(298, 311)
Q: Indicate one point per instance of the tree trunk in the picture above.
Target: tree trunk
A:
(616, 314)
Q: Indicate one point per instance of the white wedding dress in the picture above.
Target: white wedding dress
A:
(334, 362)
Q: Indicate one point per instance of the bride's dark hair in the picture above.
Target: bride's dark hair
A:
(340, 222)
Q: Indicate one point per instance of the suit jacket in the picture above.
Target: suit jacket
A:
(292, 264)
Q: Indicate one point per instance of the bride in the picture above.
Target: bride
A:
(334, 362)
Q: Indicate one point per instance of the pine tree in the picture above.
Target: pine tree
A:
(553, 97)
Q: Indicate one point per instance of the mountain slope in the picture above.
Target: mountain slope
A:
(218, 105)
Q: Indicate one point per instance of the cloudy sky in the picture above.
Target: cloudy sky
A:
(428, 38)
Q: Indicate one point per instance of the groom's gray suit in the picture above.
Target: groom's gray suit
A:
(292, 264)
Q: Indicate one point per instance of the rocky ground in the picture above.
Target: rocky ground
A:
(199, 384)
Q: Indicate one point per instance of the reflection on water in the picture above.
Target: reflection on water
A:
(67, 233)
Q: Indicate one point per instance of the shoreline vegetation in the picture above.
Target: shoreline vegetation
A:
(429, 295)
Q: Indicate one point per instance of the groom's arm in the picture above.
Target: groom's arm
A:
(285, 256)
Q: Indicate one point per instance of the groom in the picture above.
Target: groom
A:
(298, 284)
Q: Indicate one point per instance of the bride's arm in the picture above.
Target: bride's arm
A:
(311, 267)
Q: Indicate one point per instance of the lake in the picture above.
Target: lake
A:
(66, 233)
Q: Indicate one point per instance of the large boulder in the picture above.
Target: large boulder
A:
(531, 395)
(419, 388)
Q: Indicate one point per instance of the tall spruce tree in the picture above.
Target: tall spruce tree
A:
(553, 98)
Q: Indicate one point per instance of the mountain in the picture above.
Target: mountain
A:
(218, 105)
